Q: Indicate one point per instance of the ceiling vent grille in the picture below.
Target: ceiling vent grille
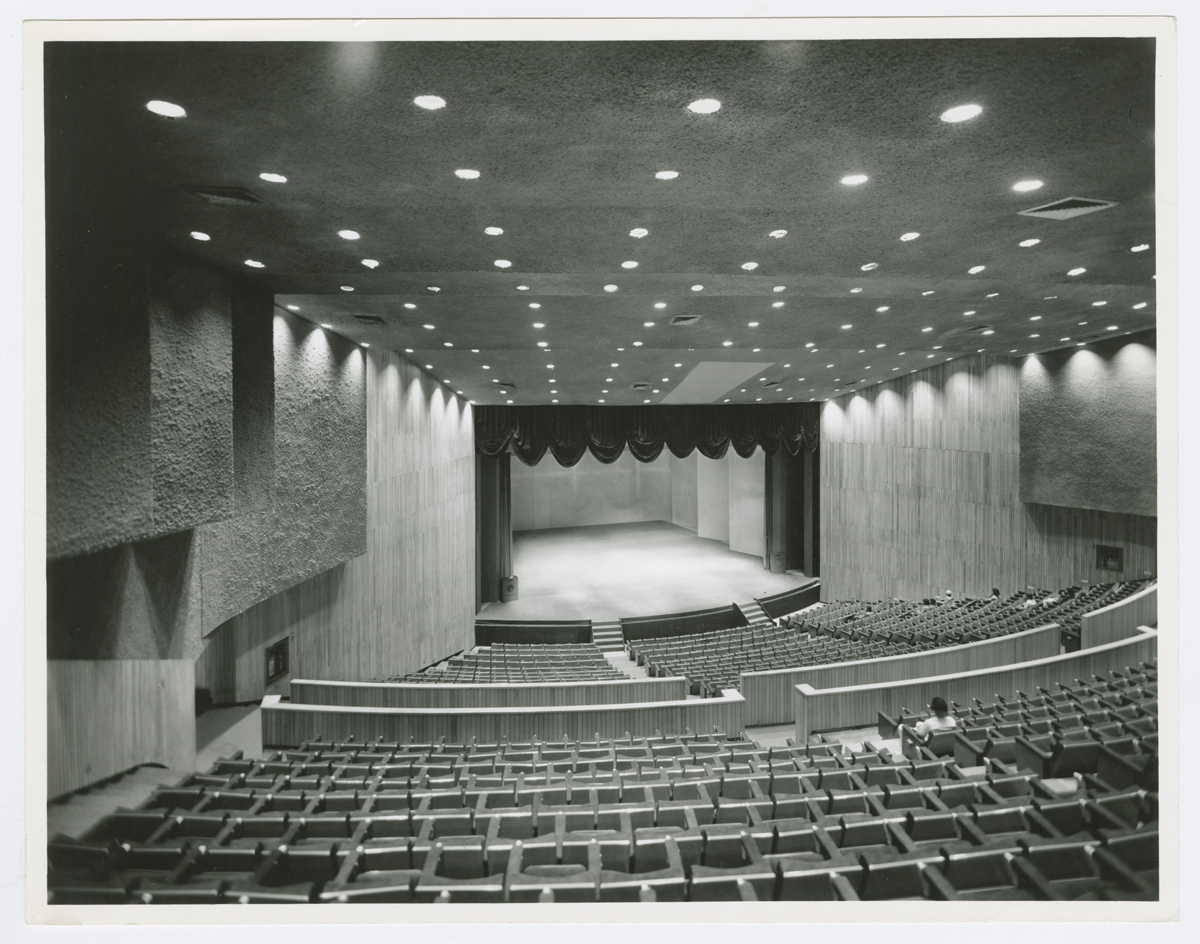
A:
(1068, 208)
(685, 319)
(771, 383)
(226, 196)
(640, 386)
(370, 319)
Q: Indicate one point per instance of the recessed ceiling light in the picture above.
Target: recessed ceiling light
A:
(1036, 318)
(1035, 335)
(255, 264)
(727, 344)
(697, 288)
(923, 330)
(459, 392)
(779, 288)
(852, 180)
(619, 349)
(550, 367)
(464, 174)
(855, 291)
(778, 304)
(1048, 297)
(522, 288)
(749, 266)
(1139, 305)
(347, 234)
(427, 327)
(726, 400)
(629, 264)
(847, 327)
(1079, 271)
(929, 355)
(660, 304)
(645, 401)
(502, 263)
(752, 324)
(409, 305)
(1082, 323)
(432, 288)
(991, 294)
(535, 305)
(637, 343)
(808, 343)
(543, 343)
(371, 263)
(447, 344)
(598, 401)
(927, 293)
(937, 347)
(538, 324)
(166, 109)
(971, 312)
(828, 365)
(1064, 339)
(614, 364)
(553, 401)
(1098, 304)
(293, 307)
(639, 232)
(493, 230)
(1140, 248)
(347, 288)
(1026, 243)
(430, 102)
(203, 237)
(704, 106)
(408, 350)
(881, 345)
(1111, 328)
(610, 288)
(777, 233)
(870, 266)
(608, 380)
(667, 174)
(961, 113)
(975, 270)
(882, 308)
(647, 324)
(365, 344)
(474, 350)
(909, 237)
(1024, 186)
(757, 349)
(326, 326)
(678, 365)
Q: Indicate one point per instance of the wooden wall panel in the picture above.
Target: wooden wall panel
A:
(858, 706)
(920, 494)
(495, 695)
(770, 695)
(407, 601)
(1120, 620)
(105, 716)
(288, 725)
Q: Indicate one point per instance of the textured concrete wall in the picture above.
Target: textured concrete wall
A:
(747, 480)
(712, 498)
(1088, 436)
(253, 401)
(407, 601)
(683, 491)
(547, 495)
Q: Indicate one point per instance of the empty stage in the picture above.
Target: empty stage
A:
(612, 570)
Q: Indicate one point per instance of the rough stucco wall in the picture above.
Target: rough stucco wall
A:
(1088, 437)
(253, 400)
(191, 393)
(683, 490)
(319, 516)
(547, 495)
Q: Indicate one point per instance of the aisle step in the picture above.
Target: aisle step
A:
(607, 635)
(753, 612)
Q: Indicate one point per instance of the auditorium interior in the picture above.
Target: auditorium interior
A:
(567, 472)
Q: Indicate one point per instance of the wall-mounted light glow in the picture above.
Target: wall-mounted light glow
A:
(430, 102)
(166, 109)
(465, 174)
(961, 113)
(202, 237)
(704, 106)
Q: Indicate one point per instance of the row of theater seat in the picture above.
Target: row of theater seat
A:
(697, 817)
(854, 630)
(501, 662)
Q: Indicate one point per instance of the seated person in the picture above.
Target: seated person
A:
(941, 720)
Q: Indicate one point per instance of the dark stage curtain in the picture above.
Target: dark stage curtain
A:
(493, 527)
(605, 431)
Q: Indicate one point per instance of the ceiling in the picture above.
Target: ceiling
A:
(567, 139)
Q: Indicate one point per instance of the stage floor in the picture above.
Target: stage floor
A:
(606, 571)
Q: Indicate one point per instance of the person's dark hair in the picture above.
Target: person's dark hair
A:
(939, 706)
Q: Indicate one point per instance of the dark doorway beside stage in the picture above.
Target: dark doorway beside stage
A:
(608, 571)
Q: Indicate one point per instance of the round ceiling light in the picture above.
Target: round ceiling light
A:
(203, 237)
(535, 305)
(1139, 305)
(464, 174)
(639, 232)
(704, 106)
(727, 344)
(1139, 248)
(1023, 186)
(294, 308)
(347, 288)
(432, 288)
(853, 180)
(611, 288)
(409, 305)
(909, 237)
(255, 264)
(777, 233)
(522, 288)
(961, 113)
(493, 230)
(660, 304)
(870, 267)
(429, 102)
(883, 308)
(749, 266)
(975, 270)
(629, 264)
(502, 263)
(778, 304)
(371, 263)
(667, 174)
(347, 234)
(273, 178)
(697, 288)
(1079, 271)
(166, 109)
(1026, 243)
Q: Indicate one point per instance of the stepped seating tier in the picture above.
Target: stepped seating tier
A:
(1069, 810)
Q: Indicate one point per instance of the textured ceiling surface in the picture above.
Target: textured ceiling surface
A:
(567, 139)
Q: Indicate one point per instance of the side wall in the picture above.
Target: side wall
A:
(684, 474)
(401, 605)
(712, 498)
(547, 495)
(747, 481)
(920, 494)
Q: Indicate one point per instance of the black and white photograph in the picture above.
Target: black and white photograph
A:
(625, 468)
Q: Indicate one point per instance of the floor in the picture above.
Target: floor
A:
(613, 570)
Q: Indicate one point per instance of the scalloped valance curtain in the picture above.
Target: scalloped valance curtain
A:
(605, 431)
